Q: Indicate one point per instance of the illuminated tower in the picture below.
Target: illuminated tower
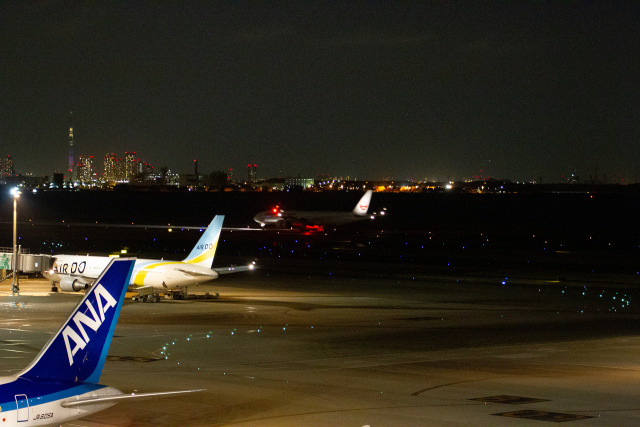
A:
(6, 167)
(71, 158)
(129, 165)
(252, 171)
(110, 167)
(85, 169)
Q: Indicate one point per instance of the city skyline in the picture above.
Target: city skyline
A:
(424, 91)
(130, 167)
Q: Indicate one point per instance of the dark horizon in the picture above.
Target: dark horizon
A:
(434, 91)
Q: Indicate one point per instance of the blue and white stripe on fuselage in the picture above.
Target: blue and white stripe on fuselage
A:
(42, 403)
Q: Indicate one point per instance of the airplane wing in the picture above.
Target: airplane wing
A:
(117, 397)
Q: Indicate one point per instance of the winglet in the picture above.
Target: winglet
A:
(203, 252)
(78, 351)
(363, 205)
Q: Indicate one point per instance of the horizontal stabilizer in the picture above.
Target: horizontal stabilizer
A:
(235, 269)
(211, 275)
(117, 397)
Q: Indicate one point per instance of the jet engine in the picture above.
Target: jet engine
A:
(72, 284)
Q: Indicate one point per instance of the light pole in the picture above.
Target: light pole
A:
(15, 286)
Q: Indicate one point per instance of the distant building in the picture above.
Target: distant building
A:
(129, 169)
(71, 156)
(252, 172)
(190, 180)
(84, 169)
(111, 162)
(217, 180)
(165, 177)
(130, 165)
(144, 168)
(299, 182)
(273, 184)
(58, 180)
(6, 169)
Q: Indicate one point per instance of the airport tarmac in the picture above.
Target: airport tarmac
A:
(285, 349)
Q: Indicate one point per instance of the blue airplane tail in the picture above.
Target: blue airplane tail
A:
(203, 252)
(78, 351)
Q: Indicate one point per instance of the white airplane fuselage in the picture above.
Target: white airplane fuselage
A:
(280, 218)
(77, 272)
(30, 412)
(329, 218)
(70, 270)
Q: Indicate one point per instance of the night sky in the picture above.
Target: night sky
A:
(369, 90)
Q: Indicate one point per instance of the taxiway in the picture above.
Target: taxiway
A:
(281, 349)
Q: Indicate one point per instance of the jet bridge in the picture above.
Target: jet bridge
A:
(27, 263)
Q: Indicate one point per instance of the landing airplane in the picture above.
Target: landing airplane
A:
(283, 219)
(61, 384)
(77, 272)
